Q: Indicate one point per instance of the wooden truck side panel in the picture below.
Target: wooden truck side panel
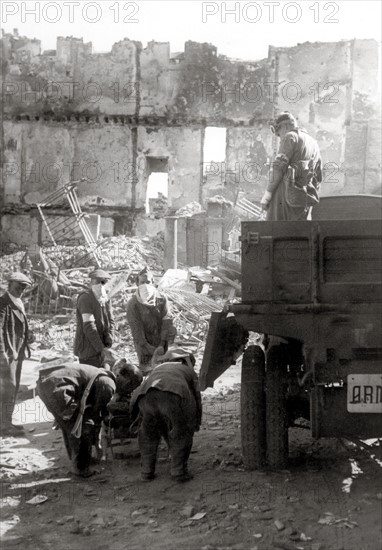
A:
(322, 261)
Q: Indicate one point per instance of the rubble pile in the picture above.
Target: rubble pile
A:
(59, 274)
(189, 210)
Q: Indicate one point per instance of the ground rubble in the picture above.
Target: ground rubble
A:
(321, 502)
(224, 507)
(59, 274)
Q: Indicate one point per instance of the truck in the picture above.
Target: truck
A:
(313, 291)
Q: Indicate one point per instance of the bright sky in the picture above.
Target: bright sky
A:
(240, 30)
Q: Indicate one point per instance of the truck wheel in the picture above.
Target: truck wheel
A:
(276, 409)
(253, 408)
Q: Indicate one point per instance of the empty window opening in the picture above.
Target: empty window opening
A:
(157, 191)
(214, 148)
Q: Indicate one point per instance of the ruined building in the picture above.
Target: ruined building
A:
(114, 118)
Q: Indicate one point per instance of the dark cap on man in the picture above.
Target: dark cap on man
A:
(282, 118)
(285, 117)
(99, 274)
(18, 277)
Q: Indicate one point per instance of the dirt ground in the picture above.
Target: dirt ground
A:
(329, 499)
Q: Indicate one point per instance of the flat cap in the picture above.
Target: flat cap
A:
(174, 353)
(99, 274)
(285, 117)
(18, 277)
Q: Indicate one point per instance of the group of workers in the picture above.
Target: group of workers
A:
(167, 401)
(163, 390)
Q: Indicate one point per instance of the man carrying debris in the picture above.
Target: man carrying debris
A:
(77, 396)
(150, 321)
(14, 339)
(95, 322)
(169, 404)
(295, 175)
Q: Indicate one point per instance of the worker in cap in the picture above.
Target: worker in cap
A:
(150, 320)
(169, 405)
(295, 175)
(21, 278)
(14, 339)
(77, 396)
(95, 321)
(100, 275)
(145, 276)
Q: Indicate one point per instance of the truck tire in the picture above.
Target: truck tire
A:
(276, 407)
(253, 408)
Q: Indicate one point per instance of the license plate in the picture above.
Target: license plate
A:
(365, 393)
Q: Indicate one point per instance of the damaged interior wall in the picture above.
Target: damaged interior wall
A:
(116, 117)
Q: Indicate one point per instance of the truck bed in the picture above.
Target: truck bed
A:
(322, 261)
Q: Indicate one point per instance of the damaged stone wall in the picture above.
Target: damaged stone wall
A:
(73, 114)
(332, 89)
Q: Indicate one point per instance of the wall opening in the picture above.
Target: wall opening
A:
(157, 185)
(214, 150)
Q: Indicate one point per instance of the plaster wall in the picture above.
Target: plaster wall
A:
(70, 113)
(182, 147)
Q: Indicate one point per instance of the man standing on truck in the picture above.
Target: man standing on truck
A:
(295, 174)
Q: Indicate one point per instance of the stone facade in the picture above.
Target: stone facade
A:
(113, 118)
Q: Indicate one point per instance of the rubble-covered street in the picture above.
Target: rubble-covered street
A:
(190, 265)
(328, 499)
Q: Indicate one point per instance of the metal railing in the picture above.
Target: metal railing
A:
(66, 229)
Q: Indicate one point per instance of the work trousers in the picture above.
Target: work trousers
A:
(9, 385)
(165, 414)
(79, 449)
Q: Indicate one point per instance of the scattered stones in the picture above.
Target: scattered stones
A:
(37, 499)
(76, 529)
(139, 521)
(187, 511)
(329, 519)
(279, 525)
(198, 516)
(262, 508)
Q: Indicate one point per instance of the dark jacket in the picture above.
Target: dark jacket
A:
(61, 388)
(93, 336)
(149, 324)
(14, 331)
(173, 377)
